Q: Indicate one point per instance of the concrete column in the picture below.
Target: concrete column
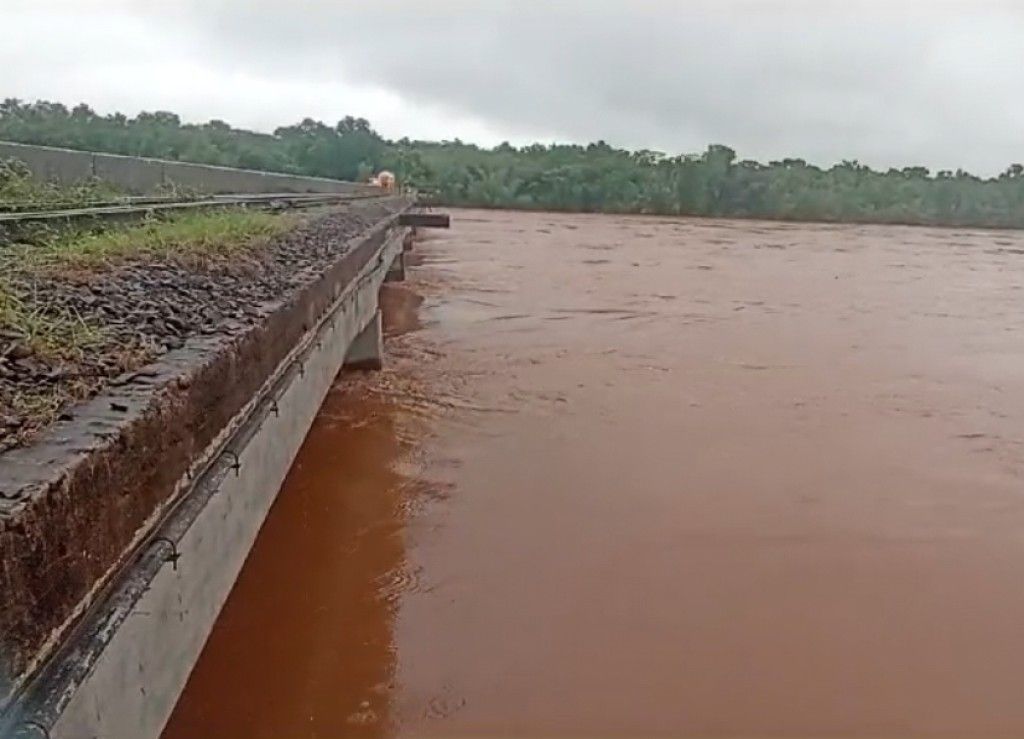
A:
(367, 350)
(396, 273)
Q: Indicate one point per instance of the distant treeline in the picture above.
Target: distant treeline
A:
(592, 178)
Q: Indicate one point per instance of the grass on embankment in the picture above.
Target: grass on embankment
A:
(195, 240)
(42, 332)
(51, 338)
(39, 329)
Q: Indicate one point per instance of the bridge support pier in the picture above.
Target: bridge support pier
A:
(367, 350)
(396, 273)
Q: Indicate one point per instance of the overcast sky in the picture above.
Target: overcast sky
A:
(889, 83)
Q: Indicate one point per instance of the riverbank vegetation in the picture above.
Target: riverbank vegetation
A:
(589, 178)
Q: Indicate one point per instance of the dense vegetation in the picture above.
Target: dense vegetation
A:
(595, 177)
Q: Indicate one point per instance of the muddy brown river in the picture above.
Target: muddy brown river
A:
(639, 476)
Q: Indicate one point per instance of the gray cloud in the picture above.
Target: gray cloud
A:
(887, 83)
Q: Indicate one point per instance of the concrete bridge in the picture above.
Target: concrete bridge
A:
(124, 528)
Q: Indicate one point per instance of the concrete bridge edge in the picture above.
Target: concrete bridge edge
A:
(132, 687)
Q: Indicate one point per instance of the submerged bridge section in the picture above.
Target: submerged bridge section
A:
(123, 530)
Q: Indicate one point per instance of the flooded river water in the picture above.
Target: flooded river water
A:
(642, 476)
